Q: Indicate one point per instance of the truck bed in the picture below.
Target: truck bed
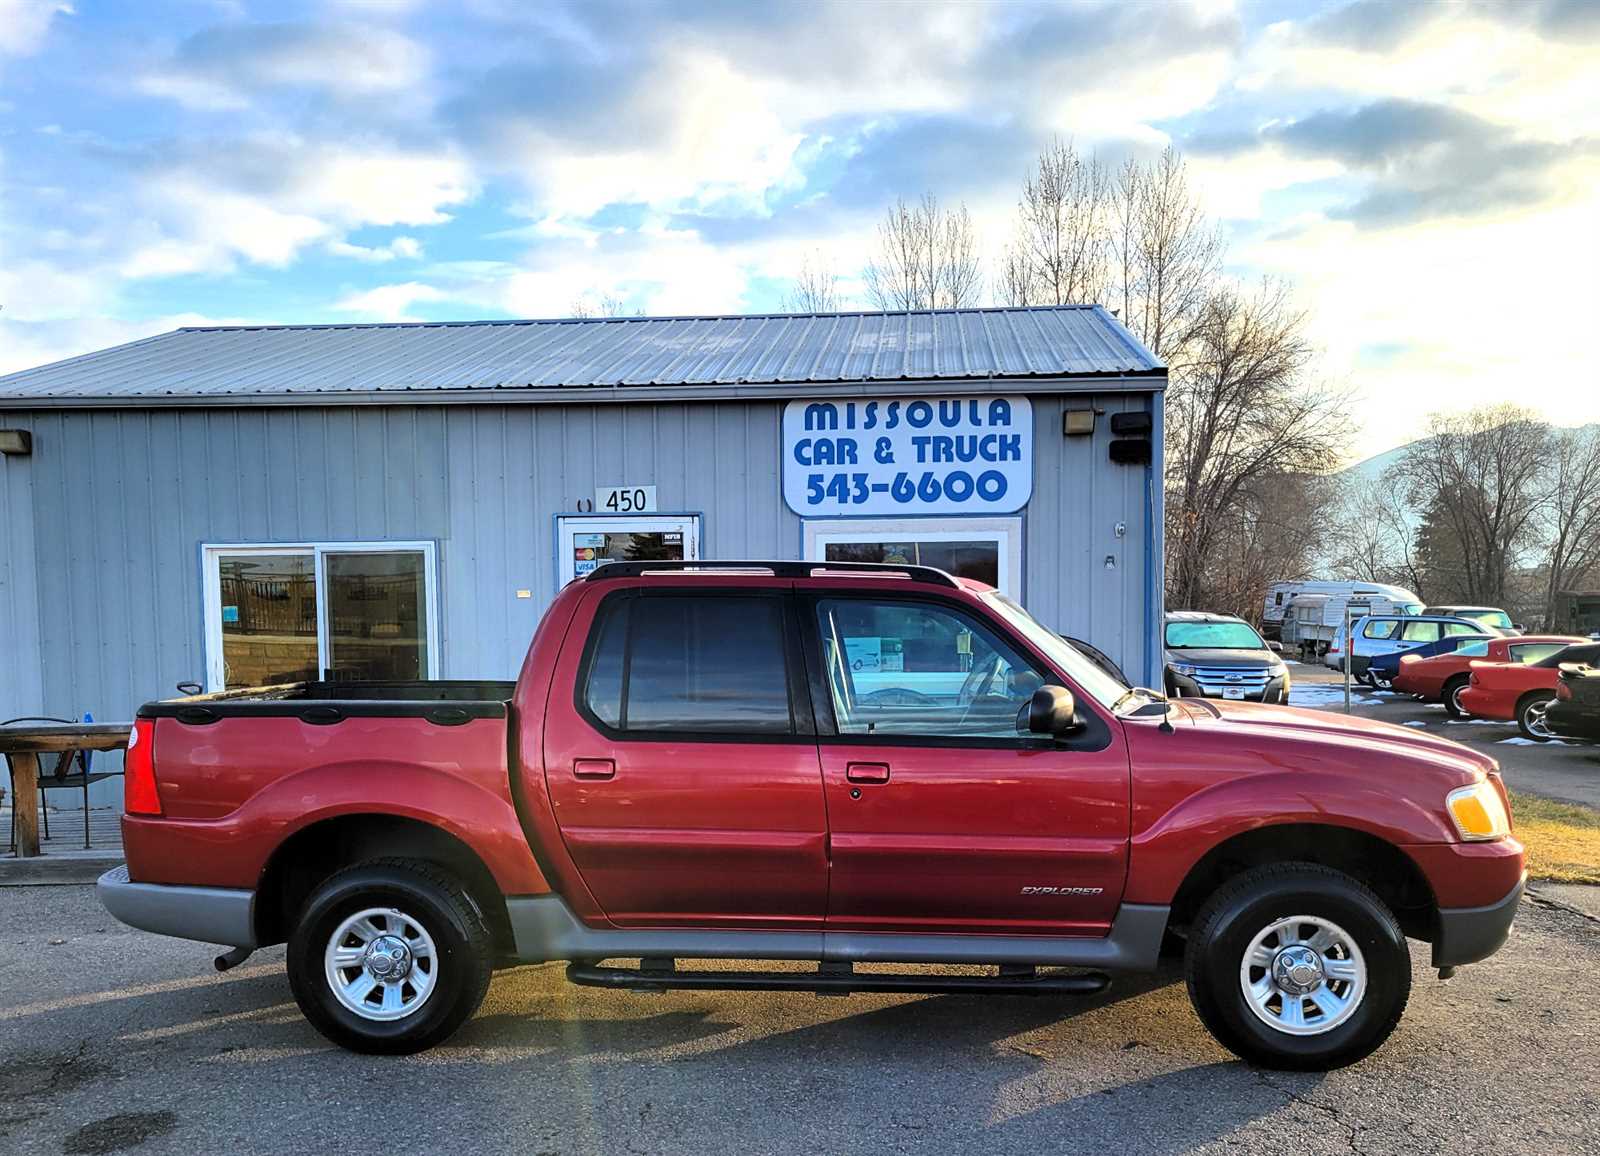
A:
(443, 701)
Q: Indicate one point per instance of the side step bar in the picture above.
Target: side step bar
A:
(657, 974)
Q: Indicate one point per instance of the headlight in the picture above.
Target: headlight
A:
(1478, 812)
(1184, 669)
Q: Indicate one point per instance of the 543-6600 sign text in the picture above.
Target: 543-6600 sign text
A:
(908, 456)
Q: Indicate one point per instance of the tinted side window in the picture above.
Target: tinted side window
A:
(604, 690)
(1456, 628)
(1420, 632)
(697, 663)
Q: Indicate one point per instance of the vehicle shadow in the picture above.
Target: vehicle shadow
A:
(985, 1073)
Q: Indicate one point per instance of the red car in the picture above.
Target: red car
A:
(795, 761)
(1523, 693)
(1442, 677)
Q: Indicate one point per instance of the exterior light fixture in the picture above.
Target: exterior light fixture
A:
(18, 442)
(1077, 423)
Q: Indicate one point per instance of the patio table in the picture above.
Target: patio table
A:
(23, 743)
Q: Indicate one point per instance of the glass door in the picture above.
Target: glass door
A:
(377, 616)
(985, 549)
(267, 619)
(586, 542)
(340, 612)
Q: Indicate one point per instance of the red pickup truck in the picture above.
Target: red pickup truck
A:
(838, 764)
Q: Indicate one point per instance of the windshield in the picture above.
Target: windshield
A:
(1213, 636)
(1497, 618)
(1088, 677)
(1411, 608)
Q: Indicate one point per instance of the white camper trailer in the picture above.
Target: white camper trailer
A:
(1311, 611)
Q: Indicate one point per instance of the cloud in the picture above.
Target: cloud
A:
(1419, 160)
(388, 302)
(24, 24)
(224, 66)
(207, 204)
(406, 248)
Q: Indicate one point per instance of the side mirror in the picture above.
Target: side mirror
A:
(1275, 647)
(1053, 711)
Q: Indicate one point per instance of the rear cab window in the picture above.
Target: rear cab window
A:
(694, 663)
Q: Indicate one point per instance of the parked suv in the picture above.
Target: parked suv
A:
(1495, 620)
(1220, 656)
(1387, 633)
(797, 761)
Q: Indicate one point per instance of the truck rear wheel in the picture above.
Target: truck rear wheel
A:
(1298, 966)
(389, 957)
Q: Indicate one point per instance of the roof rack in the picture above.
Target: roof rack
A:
(610, 570)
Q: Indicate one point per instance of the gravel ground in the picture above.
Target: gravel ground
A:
(113, 1040)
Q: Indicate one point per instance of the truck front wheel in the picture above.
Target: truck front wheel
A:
(389, 957)
(1298, 966)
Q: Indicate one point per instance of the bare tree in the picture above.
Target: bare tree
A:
(1015, 284)
(1063, 238)
(605, 305)
(1239, 411)
(1477, 478)
(927, 258)
(1167, 255)
(1374, 537)
(815, 289)
(1570, 517)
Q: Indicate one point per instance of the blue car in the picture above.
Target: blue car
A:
(1382, 668)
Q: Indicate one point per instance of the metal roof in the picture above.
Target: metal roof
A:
(659, 356)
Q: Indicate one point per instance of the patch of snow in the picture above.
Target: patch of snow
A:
(1327, 694)
(1520, 741)
(1414, 723)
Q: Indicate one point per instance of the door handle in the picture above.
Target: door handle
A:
(867, 772)
(594, 769)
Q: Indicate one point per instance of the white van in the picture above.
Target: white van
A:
(1380, 597)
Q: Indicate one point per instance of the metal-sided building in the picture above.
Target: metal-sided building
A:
(227, 506)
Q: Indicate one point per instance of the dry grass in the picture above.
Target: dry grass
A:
(1563, 839)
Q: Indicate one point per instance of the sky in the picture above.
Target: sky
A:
(1424, 175)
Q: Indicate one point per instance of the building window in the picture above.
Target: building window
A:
(986, 549)
(336, 612)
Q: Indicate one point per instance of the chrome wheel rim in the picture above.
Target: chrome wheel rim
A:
(381, 964)
(1455, 698)
(1303, 975)
(1534, 719)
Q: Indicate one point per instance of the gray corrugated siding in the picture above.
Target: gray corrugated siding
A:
(280, 361)
(121, 501)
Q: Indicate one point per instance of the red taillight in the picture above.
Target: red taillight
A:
(139, 794)
(1473, 678)
(1563, 692)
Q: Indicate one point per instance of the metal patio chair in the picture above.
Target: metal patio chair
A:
(58, 776)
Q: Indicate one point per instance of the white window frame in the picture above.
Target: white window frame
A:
(1007, 532)
(568, 525)
(213, 553)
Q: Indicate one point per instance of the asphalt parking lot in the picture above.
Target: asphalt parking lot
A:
(114, 1040)
(1567, 770)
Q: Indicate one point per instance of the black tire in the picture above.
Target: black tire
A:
(1453, 686)
(1526, 708)
(1248, 904)
(434, 902)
